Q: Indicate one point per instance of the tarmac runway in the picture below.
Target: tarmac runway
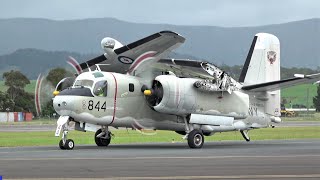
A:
(276, 159)
(47, 127)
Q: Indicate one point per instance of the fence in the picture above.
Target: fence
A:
(15, 116)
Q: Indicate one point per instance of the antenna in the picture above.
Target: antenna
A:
(88, 67)
(98, 67)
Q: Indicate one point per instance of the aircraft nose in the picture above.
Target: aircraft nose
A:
(63, 105)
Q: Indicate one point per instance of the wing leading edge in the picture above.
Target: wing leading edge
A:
(276, 85)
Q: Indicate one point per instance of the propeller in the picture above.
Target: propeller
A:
(44, 87)
(153, 95)
(43, 93)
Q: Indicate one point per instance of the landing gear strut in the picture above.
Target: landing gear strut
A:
(103, 137)
(245, 135)
(195, 137)
(66, 143)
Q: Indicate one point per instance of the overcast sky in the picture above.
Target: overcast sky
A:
(180, 12)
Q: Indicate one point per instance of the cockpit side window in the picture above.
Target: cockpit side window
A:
(83, 83)
(100, 88)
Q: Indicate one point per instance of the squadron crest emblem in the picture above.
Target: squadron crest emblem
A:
(272, 56)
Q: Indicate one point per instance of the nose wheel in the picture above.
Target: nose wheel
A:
(65, 143)
(68, 145)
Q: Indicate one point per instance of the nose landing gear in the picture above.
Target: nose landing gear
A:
(65, 143)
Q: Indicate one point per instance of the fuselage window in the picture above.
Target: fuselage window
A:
(100, 88)
(83, 83)
(131, 87)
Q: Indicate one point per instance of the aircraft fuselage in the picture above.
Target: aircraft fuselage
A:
(122, 104)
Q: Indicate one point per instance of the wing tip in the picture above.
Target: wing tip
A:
(172, 33)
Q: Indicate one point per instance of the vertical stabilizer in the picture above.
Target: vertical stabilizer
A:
(263, 60)
(263, 65)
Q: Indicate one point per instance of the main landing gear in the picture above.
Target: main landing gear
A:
(66, 143)
(195, 137)
(103, 137)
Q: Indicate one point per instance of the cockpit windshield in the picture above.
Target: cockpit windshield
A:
(100, 88)
(83, 83)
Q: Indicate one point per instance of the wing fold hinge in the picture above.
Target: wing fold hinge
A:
(221, 81)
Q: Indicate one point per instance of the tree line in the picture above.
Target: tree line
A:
(16, 99)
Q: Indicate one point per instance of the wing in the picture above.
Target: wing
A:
(276, 85)
(184, 68)
(135, 56)
(211, 78)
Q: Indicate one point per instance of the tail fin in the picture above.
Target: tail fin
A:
(263, 65)
(263, 60)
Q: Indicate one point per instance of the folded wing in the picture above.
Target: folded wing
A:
(135, 57)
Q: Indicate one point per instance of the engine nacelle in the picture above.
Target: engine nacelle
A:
(177, 96)
(172, 95)
(109, 45)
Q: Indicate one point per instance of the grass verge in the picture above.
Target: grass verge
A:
(311, 117)
(14, 139)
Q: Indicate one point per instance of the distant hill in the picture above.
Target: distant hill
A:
(299, 40)
(32, 62)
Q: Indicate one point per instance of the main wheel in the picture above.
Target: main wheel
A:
(195, 139)
(102, 141)
(61, 145)
(69, 144)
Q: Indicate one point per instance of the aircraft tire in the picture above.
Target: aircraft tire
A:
(69, 144)
(101, 141)
(195, 139)
(105, 142)
(61, 145)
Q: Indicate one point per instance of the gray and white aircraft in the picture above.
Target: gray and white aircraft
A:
(138, 88)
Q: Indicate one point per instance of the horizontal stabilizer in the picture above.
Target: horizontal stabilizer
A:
(276, 85)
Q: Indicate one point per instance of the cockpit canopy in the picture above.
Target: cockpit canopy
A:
(83, 83)
(98, 88)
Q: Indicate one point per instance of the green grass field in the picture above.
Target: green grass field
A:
(12, 139)
(299, 94)
(29, 87)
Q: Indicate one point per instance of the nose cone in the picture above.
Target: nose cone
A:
(64, 105)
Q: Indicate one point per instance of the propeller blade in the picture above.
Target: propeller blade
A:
(74, 63)
(37, 94)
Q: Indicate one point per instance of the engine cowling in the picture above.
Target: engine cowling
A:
(172, 95)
